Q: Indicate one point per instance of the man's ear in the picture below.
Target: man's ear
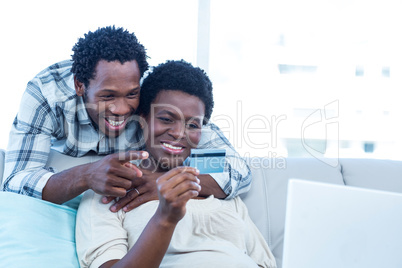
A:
(79, 87)
(143, 122)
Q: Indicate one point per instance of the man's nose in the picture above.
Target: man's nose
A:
(120, 107)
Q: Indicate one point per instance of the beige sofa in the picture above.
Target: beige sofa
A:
(266, 199)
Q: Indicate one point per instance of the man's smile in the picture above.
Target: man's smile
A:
(116, 124)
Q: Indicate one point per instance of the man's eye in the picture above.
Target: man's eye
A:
(107, 97)
(132, 95)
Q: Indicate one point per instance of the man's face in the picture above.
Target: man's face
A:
(173, 127)
(112, 96)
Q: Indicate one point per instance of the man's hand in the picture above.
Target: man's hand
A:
(112, 176)
(144, 190)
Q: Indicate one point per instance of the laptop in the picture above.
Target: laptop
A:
(330, 226)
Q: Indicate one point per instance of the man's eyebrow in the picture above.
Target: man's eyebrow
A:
(114, 90)
(108, 90)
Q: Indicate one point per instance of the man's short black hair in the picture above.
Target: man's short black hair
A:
(109, 44)
(176, 75)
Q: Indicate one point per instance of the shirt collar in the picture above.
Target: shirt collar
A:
(82, 114)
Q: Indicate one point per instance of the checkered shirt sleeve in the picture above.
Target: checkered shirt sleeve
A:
(236, 178)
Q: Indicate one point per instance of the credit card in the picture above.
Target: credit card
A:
(208, 160)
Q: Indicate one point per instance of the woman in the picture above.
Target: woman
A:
(179, 230)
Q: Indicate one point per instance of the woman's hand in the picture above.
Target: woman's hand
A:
(175, 188)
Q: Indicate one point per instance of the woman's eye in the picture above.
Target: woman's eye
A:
(192, 126)
(165, 119)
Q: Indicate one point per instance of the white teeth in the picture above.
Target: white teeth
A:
(115, 123)
(171, 146)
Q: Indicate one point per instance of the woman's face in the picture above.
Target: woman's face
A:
(173, 127)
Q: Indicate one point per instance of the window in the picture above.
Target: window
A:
(290, 77)
(328, 78)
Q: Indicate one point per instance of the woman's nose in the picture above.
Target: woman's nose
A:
(177, 130)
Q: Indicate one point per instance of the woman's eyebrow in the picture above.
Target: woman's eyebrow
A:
(172, 114)
(196, 119)
(166, 112)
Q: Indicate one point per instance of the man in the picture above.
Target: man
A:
(88, 104)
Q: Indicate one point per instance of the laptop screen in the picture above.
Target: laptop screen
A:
(330, 225)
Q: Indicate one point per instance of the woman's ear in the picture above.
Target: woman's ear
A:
(79, 87)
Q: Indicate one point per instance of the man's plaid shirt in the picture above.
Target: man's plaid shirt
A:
(51, 115)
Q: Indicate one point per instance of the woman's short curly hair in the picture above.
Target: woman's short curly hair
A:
(176, 75)
(110, 44)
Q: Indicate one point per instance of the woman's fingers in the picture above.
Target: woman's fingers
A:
(175, 188)
(179, 184)
(176, 171)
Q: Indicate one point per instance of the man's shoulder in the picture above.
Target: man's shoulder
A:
(57, 82)
(210, 126)
(210, 129)
(56, 68)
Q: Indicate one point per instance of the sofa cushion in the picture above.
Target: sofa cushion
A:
(266, 200)
(59, 161)
(376, 174)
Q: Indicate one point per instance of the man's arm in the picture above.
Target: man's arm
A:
(29, 144)
(28, 152)
(108, 176)
(209, 186)
(26, 173)
(236, 178)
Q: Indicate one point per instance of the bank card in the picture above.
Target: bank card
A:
(208, 160)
